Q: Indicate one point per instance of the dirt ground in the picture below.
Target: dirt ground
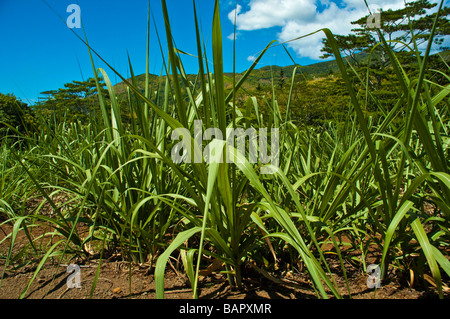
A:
(117, 281)
(114, 282)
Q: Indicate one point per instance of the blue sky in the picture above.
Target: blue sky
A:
(39, 52)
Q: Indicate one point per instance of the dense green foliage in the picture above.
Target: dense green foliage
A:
(14, 116)
(76, 101)
(364, 170)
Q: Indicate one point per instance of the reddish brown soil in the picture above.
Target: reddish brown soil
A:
(116, 281)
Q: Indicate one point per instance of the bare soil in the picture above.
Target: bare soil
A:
(117, 280)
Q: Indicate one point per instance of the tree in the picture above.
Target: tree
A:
(77, 100)
(258, 87)
(350, 45)
(16, 114)
(282, 79)
(400, 28)
(404, 30)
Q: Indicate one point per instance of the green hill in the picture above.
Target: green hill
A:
(263, 76)
(319, 94)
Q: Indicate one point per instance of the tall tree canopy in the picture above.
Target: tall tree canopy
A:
(77, 99)
(400, 28)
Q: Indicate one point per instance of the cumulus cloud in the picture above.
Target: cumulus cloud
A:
(270, 13)
(300, 17)
(231, 36)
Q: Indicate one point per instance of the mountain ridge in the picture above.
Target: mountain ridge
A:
(267, 74)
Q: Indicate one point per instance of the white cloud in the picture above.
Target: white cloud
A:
(251, 58)
(231, 36)
(270, 13)
(300, 17)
